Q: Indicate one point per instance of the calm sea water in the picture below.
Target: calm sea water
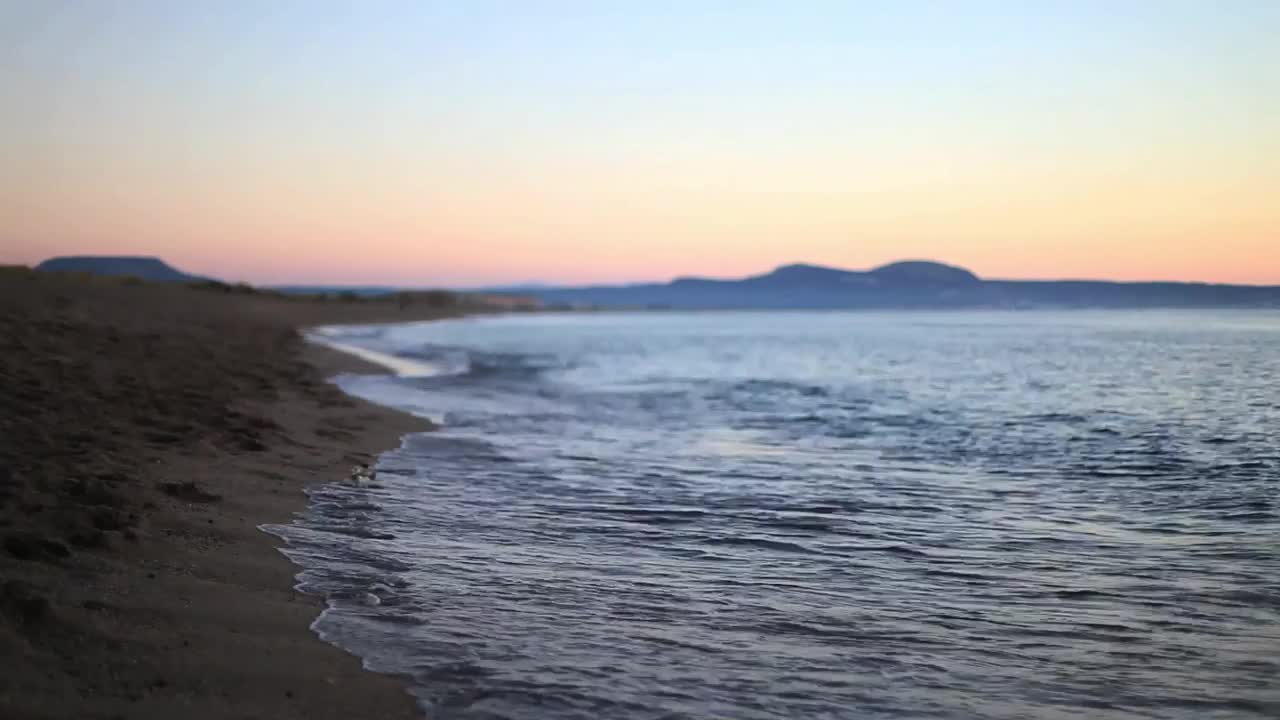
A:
(819, 515)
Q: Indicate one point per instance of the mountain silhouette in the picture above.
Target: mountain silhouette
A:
(145, 268)
(918, 284)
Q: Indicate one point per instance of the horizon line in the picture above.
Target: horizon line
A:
(534, 284)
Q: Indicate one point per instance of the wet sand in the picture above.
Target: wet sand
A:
(146, 432)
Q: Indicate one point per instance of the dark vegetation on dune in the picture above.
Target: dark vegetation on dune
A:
(401, 298)
(137, 270)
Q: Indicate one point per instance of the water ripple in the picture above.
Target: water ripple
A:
(857, 516)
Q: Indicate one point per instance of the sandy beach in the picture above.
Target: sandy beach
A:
(147, 432)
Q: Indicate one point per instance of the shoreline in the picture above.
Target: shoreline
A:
(401, 367)
(146, 434)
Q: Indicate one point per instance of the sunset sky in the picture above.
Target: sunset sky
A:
(473, 142)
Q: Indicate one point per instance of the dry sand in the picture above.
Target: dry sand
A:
(145, 433)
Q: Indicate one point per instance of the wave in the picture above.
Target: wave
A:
(428, 360)
(601, 521)
(340, 339)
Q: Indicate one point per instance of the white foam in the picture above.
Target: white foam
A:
(400, 366)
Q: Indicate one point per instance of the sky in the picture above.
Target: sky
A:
(483, 142)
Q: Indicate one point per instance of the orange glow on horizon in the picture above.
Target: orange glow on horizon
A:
(436, 150)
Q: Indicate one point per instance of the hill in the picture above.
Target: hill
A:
(918, 284)
(145, 268)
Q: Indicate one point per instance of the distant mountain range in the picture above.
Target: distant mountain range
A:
(907, 284)
(145, 268)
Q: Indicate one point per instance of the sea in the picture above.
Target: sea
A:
(825, 515)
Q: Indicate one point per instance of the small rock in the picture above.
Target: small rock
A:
(189, 491)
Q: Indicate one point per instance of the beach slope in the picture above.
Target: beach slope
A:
(146, 432)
